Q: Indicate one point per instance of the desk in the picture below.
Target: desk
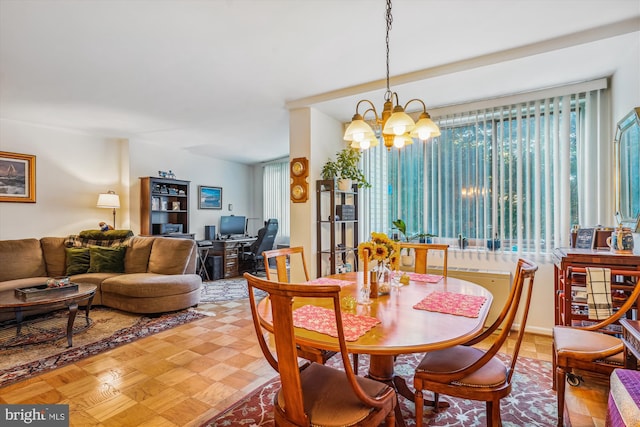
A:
(403, 329)
(229, 250)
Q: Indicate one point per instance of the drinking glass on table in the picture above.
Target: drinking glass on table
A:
(395, 279)
(363, 294)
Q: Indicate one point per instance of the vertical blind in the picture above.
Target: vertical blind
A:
(275, 190)
(523, 172)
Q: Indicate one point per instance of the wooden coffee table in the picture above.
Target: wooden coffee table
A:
(85, 292)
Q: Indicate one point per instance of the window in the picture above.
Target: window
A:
(517, 172)
(275, 190)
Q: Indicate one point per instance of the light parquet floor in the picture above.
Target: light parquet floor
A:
(186, 375)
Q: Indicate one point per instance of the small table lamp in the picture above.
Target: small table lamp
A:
(109, 200)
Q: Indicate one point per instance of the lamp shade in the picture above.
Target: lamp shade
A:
(425, 128)
(357, 130)
(399, 123)
(108, 200)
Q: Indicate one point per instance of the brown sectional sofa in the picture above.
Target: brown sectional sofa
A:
(159, 272)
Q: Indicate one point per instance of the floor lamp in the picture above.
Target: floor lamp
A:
(109, 200)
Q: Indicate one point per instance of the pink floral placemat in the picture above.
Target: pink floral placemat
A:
(323, 320)
(452, 303)
(426, 278)
(328, 281)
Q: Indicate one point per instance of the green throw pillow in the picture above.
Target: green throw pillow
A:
(107, 259)
(77, 260)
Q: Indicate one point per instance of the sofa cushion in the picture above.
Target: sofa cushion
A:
(88, 238)
(136, 259)
(21, 258)
(105, 235)
(54, 255)
(106, 259)
(77, 260)
(170, 255)
(150, 285)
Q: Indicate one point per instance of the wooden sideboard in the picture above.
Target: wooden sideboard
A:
(563, 258)
(631, 340)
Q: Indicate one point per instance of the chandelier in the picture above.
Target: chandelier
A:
(397, 127)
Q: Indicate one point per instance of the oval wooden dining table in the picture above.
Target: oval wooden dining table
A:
(402, 329)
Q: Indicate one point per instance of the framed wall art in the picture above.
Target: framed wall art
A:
(209, 197)
(17, 177)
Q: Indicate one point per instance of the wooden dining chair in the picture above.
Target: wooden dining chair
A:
(284, 258)
(315, 394)
(588, 348)
(422, 250)
(472, 373)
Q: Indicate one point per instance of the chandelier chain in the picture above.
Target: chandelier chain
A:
(389, 18)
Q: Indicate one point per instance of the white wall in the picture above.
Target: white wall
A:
(318, 137)
(625, 83)
(71, 170)
(235, 179)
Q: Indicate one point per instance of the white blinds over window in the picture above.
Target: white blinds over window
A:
(275, 190)
(516, 172)
(375, 203)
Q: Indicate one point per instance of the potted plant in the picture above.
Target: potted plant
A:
(406, 258)
(345, 169)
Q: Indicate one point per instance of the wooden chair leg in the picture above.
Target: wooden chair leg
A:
(436, 401)
(355, 363)
(391, 419)
(419, 401)
(553, 365)
(561, 379)
(493, 414)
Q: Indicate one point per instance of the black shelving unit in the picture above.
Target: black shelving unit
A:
(337, 226)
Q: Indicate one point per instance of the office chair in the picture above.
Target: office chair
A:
(254, 258)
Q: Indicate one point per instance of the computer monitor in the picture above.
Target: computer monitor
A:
(232, 225)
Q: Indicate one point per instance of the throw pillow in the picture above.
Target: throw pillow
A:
(107, 259)
(77, 260)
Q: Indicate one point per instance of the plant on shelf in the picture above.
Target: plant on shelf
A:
(345, 168)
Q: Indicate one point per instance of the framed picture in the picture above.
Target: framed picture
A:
(209, 197)
(585, 238)
(17, 177)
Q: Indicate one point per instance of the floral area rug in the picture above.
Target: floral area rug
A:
(531, 402)
(109, 328)
(224, 290)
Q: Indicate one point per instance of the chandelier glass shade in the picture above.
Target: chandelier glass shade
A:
(394, 125)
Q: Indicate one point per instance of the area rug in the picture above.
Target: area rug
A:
(531, 402)
(110, 328)
(224, 290)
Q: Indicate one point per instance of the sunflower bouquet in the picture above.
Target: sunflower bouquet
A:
(381, 249)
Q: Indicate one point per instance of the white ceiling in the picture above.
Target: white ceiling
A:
(216, 77)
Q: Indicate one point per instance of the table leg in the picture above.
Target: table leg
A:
(87, 309)
(381, 369)
(19, 317)
(73, 310)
